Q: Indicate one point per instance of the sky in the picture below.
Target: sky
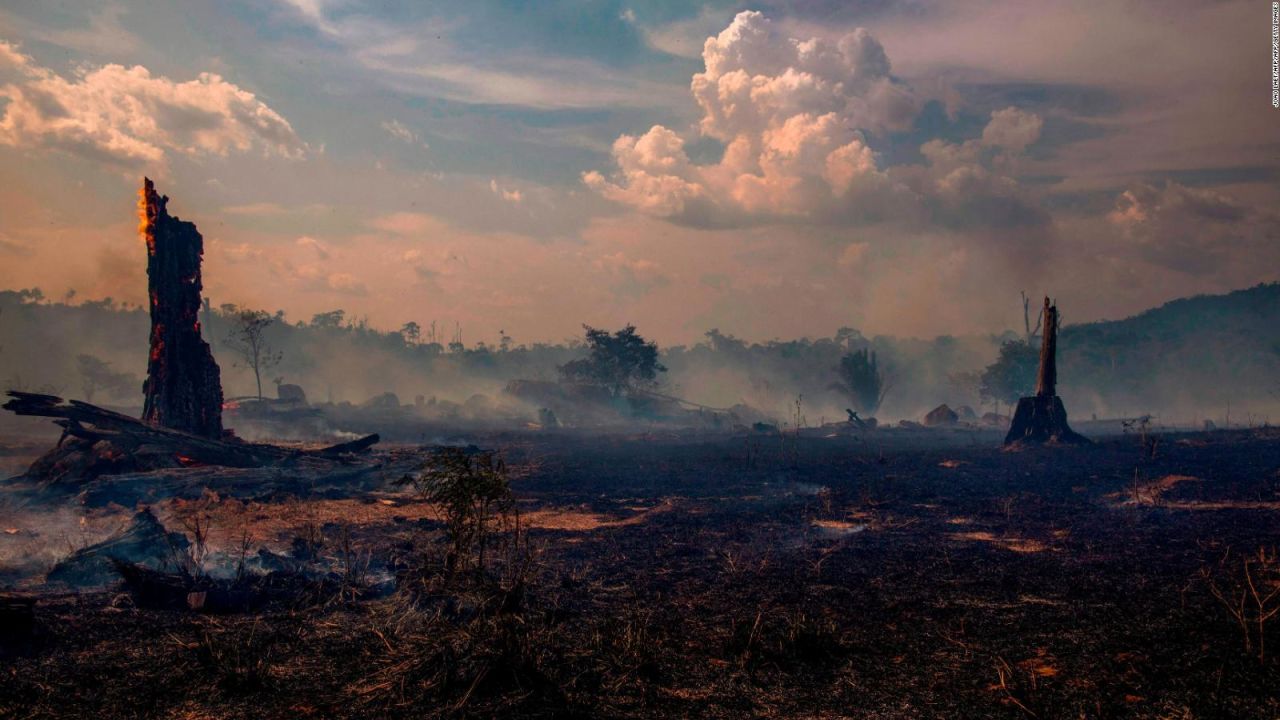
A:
(774, 170)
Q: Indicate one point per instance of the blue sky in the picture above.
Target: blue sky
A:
(902, 167)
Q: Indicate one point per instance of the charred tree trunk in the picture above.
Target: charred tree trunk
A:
(183, 386)
(181, 425)
(1042, 418)
(1047, 376)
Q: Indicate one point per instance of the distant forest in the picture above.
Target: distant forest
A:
(1187, 360)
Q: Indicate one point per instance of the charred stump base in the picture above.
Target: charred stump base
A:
(1041, 420)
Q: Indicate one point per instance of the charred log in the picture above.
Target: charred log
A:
(99, 441)
(347, 448)
(1042, 418)
(145, 541)
(183, 386)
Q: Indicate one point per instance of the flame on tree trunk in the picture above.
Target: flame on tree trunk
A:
(183, 387)
(1042, 418)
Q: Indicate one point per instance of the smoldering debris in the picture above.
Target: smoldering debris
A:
(145, 543)
(163, 569)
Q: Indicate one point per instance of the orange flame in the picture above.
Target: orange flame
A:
(145, 225)
(157, 344)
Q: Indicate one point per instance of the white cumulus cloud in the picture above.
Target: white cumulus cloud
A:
(129, 116)
(791, 113)
(1012, 129)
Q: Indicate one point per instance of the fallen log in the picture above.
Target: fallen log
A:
(316, 478)
(682, 401)
(358, 445)
(126, 436)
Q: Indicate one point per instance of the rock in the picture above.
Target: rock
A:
(145, 542)
(478, 403)
(385, 401)
(291, 393)
(941, 415)
(995, 419)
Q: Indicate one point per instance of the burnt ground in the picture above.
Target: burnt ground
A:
(898, 575)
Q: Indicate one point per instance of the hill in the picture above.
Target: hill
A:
(1192, 354)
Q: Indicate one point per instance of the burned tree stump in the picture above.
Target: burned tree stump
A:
(1042, 418)
(181, 425)
(183, 386)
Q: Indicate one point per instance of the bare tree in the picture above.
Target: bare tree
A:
(96, 374)
(1029, 334)
(247, 339)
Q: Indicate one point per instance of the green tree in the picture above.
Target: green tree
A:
(331, 320)
(860, 380)
(622, 361)
(1012, 375)
(411, 332)
(470, 491)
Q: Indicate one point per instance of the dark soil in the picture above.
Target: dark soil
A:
(896, 575)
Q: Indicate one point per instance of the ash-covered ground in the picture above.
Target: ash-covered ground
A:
(895, 574)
